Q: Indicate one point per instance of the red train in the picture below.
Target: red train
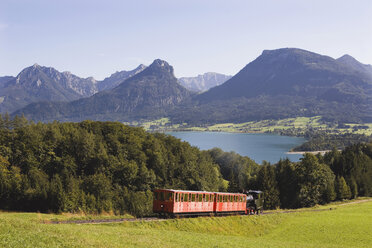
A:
(172, 203)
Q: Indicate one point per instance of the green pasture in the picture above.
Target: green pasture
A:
(347, 225)
(300, 123)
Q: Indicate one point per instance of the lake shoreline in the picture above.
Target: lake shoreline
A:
(312, 152)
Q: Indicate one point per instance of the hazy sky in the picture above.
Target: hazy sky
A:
(96, 38)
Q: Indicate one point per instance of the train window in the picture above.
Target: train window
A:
(207, 198)
(171, 196)
(155, 195)
(193, 197)
(181, 197)
(161, 196)
(212, 198)
(224, 199)
(186, 197)
(177, 195)
(200, 197)
(189, 197)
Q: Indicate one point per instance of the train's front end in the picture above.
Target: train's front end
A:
(163, 203)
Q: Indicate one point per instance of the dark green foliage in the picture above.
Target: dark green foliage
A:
(342, 189)
(266, 182)
(108, 167)
(314, 181)
(320, 141)
(237, 169)
(94, 167)
(287, 183)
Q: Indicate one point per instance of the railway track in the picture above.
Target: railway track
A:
(147, 219)
(102, 221)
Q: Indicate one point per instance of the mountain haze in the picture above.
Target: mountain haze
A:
(203, 82)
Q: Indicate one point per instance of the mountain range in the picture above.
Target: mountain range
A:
(147, 94)
(280, 83)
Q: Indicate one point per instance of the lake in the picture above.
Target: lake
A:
(259, 147)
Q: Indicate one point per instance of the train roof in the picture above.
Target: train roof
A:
(194, 191)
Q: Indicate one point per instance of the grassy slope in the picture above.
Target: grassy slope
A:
(347, 226)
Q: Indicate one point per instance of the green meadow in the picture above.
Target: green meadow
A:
(299, 123)
(345, 225)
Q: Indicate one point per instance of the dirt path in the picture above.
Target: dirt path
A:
(355, 202)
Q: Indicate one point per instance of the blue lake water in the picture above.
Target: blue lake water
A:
(258, 147)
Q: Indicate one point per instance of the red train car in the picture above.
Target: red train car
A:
(181, 202)
(230, 203)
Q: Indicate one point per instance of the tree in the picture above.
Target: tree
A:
(314, 181)
(342, 190)
(287, 183)
(266, 182)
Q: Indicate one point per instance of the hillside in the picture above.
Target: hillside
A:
(286, 83)
(145, 95)
(343, 226)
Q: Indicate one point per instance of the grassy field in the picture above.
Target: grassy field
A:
(343, 226)
(299, 123)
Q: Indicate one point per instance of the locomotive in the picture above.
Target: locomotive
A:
(174, 203)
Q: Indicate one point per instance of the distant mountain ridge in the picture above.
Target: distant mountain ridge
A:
(39, 83)
(281, 83)
(203, 82)
(117, 78)
(148, 93)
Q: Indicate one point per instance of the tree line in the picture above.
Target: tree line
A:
(97, 167)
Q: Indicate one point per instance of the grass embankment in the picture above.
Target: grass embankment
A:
(344, 226)
(301, 124)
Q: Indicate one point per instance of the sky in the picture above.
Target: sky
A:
(96, 38)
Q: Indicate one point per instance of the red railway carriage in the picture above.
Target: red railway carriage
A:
(230, 203)
(181, 202)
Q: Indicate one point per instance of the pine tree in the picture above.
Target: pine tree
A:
(342, 190)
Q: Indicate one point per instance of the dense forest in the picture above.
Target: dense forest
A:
(96, 167)
(321, 140)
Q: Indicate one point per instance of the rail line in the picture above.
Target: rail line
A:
(147, 219)
(105, 221)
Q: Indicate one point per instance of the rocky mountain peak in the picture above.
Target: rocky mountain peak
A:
(161, 65)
